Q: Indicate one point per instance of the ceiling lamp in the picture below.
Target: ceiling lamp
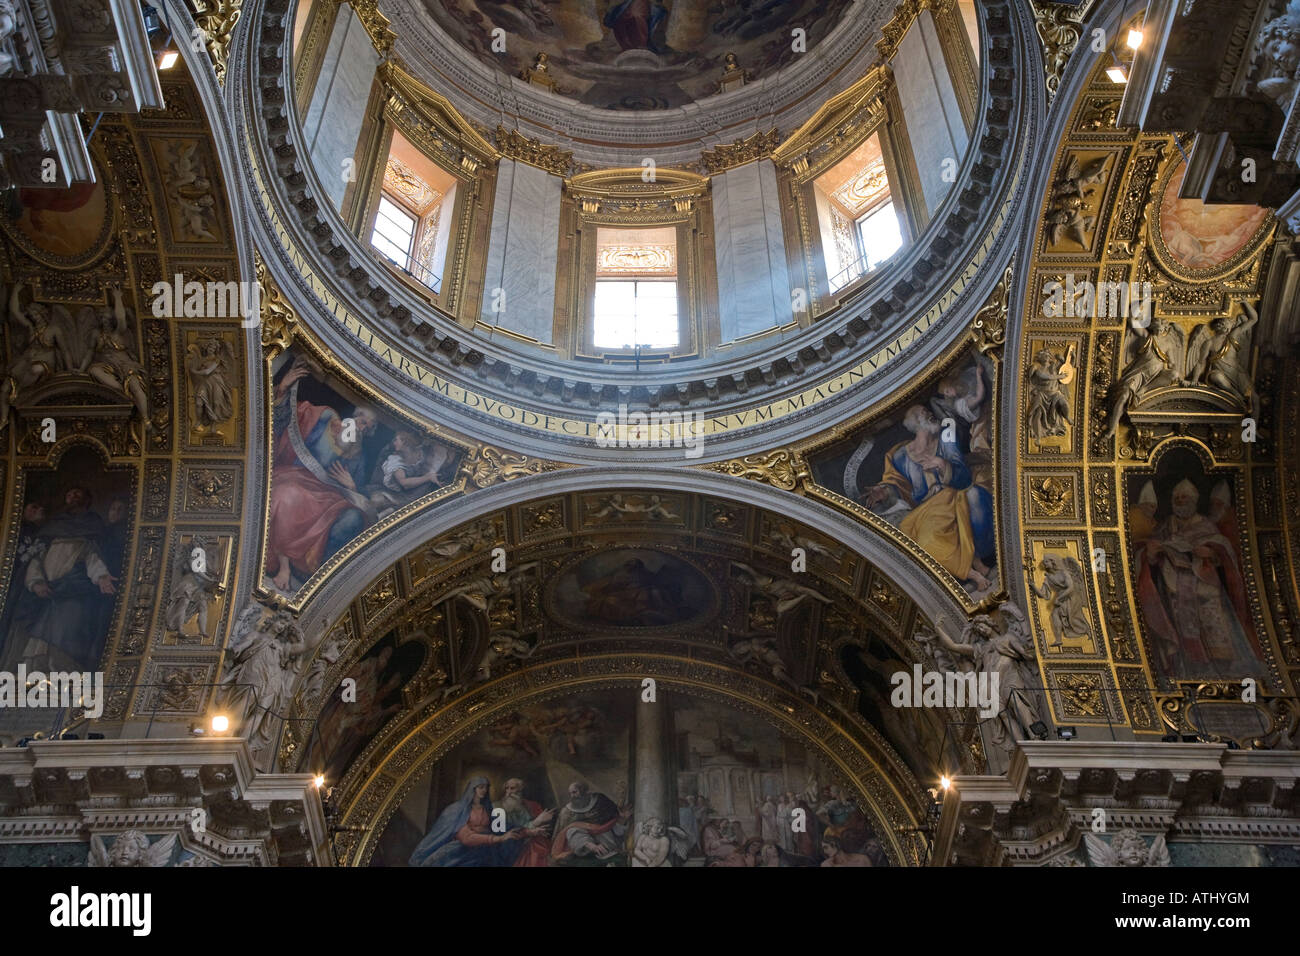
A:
(1116, 74)
(1134, 39)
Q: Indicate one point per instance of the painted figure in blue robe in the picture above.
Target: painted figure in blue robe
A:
(462, 834)
(635, 24)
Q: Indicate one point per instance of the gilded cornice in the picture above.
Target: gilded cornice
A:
(515, 145)
(626, 190)
(742, 151)
(375, 23)
(412, 103)
(841, 123)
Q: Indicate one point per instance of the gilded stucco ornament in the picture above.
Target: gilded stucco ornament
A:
(216, 21)
(782, 468)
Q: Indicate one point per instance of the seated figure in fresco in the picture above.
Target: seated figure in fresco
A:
(462, 835)
(927, 490)
(66, 601)
(590, 825)
(316, 506)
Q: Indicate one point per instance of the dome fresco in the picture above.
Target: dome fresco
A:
(638, 54)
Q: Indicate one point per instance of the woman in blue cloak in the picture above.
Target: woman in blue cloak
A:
(462, 834)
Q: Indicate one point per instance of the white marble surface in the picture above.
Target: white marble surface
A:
(934, 123)
(338, 104)
(523, 249)
(753, 281)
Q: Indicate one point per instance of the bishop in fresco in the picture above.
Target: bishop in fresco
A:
(1193, 595)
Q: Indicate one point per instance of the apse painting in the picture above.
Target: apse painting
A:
(1190, 574)
(927, 469)
(718, 788)
(1200, 236)
(338, 465)
(632, 587)
(349, 721)
(72, 542)
(638, 54)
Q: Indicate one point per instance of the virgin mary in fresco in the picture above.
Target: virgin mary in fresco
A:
(462, 835)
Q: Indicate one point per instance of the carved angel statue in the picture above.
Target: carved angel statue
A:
(787, 537)
(190, 190)
(194, 586)
(1065, 588)
(483, 591)
(1127, 848)
(109, 359)
(761, 649)
(1218, 355)
(501, 645)
(785, 594)
(617, 504)
(477, 537)
(325, 658)
(1049, 406)
(1009, 654)
(1069, 195)
(657, 844)
(211, 366)
(45, 349)
(131, 848)
(1279, 48)
(1154, 358)
(259, 676)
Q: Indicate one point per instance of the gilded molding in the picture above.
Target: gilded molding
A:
(782, 468)
(515, 145)
(742, 151)
(279, 320)
(376, 25)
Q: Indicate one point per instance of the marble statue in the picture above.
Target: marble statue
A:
(1279, 49)
(259, 676)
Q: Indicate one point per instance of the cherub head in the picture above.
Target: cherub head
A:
(129, 849)
(407, 444)
(1221, 324)
(1279, 42)
(1129, 848)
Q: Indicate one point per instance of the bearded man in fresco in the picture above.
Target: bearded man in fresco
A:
(1193, 595)
(590, 824)
(316, 476)
(528, 816)
(927, 481)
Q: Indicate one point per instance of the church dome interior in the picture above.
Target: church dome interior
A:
(648, 433)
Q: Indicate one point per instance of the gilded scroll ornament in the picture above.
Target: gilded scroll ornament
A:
(215, 21)
(1059, 28)
(487, 465)
(278, 317)
(782, 469)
